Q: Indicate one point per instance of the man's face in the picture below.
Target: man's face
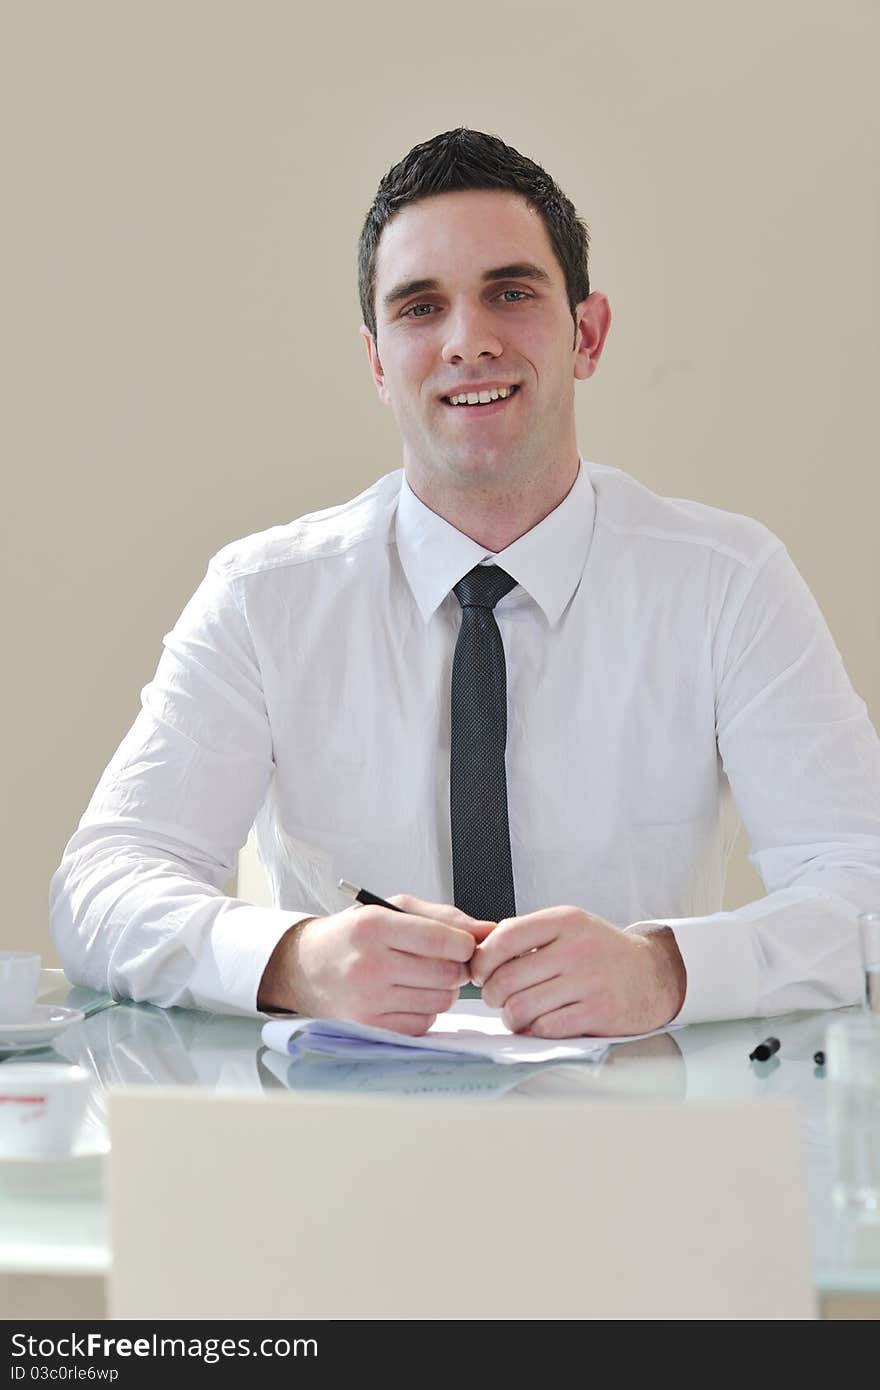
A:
(493, 314)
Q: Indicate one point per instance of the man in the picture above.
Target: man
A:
(505, 679)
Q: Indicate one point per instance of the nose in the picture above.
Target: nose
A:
(470, 335)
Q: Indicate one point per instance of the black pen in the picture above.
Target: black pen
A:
(363, 895)
(764, 1050)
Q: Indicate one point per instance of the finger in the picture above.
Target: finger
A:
(534, 968)
(571, 1021)
(513, 937)
(523, 1009)
(411, 1024)
(442, 912)
(417, 935)
(423, 972)
(402, 999)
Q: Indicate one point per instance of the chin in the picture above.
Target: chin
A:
(475, 461)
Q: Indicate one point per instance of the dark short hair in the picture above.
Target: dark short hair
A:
(469, 159)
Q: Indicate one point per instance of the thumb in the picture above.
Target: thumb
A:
(480, 929)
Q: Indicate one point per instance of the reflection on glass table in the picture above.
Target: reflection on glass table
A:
(122, 1044)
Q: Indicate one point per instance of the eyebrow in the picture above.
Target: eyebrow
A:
(520, 270)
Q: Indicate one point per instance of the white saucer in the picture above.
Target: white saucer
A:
(22, 1174)
(41, 1025)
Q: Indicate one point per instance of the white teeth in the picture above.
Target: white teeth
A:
(483, 397)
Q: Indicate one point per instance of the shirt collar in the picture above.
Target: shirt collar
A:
(547, 561)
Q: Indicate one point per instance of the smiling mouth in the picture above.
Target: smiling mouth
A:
(480, 400)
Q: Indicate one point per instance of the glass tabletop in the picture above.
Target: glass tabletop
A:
(123, 1044)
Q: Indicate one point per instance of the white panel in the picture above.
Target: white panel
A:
(227, 1206)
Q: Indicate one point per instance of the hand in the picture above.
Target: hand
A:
(393, 970)
(564, 973)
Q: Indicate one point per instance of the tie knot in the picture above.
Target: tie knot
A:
(483, 586)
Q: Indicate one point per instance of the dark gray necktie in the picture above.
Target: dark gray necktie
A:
(482, 872)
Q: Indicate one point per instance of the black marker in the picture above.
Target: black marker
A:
(819, 1058)
(764, 1050)
(363, 895)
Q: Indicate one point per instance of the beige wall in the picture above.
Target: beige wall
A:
(184, 185)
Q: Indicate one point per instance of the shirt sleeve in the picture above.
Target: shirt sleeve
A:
(803, 762)
(137, 907)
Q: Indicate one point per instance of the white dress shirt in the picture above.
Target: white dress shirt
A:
(666, 667)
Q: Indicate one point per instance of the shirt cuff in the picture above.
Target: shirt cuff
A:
(720, 964)
(229, 969)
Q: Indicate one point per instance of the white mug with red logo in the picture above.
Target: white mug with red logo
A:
(41, 1108)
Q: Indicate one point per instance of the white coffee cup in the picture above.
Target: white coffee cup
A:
(19, 981)
(41, 1108)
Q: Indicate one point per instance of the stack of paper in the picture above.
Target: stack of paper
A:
(469, 1029)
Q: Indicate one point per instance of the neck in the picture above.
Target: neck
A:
(489, 516)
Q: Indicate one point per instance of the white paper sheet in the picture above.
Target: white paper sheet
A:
(469, 1029)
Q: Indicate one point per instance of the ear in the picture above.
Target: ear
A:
(375, 365)
(593, 317)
